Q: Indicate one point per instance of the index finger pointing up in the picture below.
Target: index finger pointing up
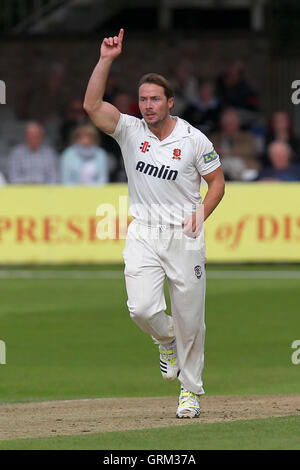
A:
(121, 34)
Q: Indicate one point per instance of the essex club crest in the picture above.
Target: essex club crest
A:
(176, 154)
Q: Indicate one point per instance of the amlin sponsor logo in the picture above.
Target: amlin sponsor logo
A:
(163, 172)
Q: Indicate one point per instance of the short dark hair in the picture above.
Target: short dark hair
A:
(158, 80)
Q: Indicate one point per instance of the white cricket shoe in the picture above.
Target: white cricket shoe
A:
(189, 404)
(168, 361)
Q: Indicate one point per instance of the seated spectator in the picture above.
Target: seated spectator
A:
(234, 90)
(124, 102)
(236, 148)
(204, 111)
(48, 100)
(32, 162)
(280, 128)
(112, 84)
(184, 84)
(84, 162)
(281, 168)
(74, 116)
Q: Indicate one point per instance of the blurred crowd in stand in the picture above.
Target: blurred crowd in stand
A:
(49, 139)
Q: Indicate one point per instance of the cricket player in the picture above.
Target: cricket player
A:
(165, 158)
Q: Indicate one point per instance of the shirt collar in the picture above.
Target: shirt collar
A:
(181, 129)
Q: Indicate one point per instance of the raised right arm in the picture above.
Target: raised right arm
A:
(103, 114)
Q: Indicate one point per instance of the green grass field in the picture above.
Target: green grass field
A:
(73, 338)
(256, 434)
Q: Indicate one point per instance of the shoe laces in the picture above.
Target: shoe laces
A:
(189, 398)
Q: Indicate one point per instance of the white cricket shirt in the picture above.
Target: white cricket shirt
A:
(164, 176)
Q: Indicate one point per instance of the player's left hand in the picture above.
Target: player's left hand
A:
(192, 225)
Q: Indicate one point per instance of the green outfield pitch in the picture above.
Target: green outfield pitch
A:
(68, 336)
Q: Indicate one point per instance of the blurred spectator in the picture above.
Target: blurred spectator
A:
(32, 162)
(281, 168)
(47, 100)
(234, 90)
(2, 179)
(112, 84)
(204, 111)
(280, 128)
(74, 116)
(44, 99)
(184, 84)
(126, 105)
(236, 148)
(84, 162)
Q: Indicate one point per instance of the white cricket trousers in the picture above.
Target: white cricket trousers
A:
(151, 255)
